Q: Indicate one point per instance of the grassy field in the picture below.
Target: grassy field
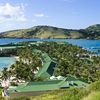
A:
(93, 96)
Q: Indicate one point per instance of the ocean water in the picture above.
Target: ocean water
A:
(6, 61)
(92, 45)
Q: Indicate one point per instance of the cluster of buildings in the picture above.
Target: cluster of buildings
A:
(50, 81)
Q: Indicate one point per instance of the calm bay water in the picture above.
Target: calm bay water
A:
(6, 61)
(92, 45)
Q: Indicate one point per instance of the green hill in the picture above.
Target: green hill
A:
(92, 32)
(95, 27)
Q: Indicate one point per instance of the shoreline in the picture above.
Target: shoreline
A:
(46, 38)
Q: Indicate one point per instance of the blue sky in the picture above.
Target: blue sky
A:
(74, 14)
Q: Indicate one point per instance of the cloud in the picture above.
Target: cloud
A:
(10, 12)
(39, 15)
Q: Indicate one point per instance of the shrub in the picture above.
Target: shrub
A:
(94, 86)
(93, 96)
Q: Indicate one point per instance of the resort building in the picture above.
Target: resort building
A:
(50, 81)
(48, 66)
(37, 88)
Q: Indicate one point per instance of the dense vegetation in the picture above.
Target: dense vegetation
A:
(27, 64)
(70, 61)
(92, 32)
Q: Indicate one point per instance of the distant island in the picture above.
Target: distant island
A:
(91, 32)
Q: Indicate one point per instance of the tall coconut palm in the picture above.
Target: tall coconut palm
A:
(5, 73)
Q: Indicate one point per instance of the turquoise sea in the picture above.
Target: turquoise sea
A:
(6, 61)
(91, 45)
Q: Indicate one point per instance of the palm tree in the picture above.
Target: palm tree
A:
(5, 73)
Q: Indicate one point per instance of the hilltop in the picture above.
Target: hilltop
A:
(92, 32)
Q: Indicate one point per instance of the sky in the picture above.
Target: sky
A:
(71, 14)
